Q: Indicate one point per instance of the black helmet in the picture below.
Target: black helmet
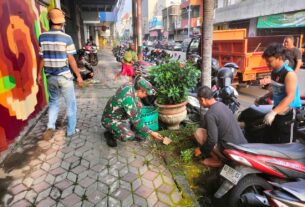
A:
(224, 77)
(233, 67)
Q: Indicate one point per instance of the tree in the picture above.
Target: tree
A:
(207, 40)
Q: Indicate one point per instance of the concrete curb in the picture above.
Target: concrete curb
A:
(183, 185)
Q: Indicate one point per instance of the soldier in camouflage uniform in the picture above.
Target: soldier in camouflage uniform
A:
(123, 109)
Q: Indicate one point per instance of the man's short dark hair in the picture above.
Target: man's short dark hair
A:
(275, 50)
(289, 37)
(205, 92)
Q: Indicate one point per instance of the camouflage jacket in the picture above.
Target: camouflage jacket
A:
(125, 105)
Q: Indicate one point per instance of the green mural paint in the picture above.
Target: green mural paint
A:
(7, 83)
(37, 29)
(45, 86)
(44, 20)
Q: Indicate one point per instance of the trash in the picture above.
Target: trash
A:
(166, 140)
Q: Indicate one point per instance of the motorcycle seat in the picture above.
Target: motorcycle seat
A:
(294, 151)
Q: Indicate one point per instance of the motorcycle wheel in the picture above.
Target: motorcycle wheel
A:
(250, 183)
(93, 60)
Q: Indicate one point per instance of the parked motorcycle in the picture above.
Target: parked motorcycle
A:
(91, 54)
(222, 91)
(250, 168)
(291, 194)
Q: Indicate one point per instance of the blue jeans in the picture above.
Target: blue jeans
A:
(62, 84)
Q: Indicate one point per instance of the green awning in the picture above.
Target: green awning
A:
(287, 20)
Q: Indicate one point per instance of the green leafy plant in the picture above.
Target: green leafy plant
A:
(173, 81)
(187, 155)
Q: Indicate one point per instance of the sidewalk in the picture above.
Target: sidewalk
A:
(84, 171)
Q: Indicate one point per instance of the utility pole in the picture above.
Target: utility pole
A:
(134, 23)
(189, 20)
(139, 28)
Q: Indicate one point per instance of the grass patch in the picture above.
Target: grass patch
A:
(180, 160)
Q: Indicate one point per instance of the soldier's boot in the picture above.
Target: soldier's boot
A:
(110, 140)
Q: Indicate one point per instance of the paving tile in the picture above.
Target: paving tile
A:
(150, 175)
(39, 179)
(87, 204)
(23, 203)
(96, 197)
(112, 202)
(58, 171)
(79, 169)
(103, 203)
(137, 163)
(18, 197)
(108, 179)
(152, 199)
(139, 201)
(164, 198)
(40, 187)
(79, 190)
(64, 184)
(55, 193)
(165, 188)
(176, 197)
(160, 204)
(45, 166)
(129, 177)
(158, 181)
(71, 200)
(68, 191)
(72, 177)
(37, 173)
(43, 194)
(18, 188)
(124, 196)
(86, 182)
(144, 191)
(46, 202)
(31, 196)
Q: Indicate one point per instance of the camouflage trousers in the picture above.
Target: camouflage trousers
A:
(123, 130)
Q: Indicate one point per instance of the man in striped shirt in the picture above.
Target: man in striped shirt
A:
(56, 51)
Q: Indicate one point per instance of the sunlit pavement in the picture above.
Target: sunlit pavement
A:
(83, 170)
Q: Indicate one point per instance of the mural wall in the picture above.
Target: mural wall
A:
(21, 98)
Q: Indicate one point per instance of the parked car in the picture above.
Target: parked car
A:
(177, 46)
(185, 44)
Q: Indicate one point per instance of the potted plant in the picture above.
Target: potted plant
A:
(173, 81)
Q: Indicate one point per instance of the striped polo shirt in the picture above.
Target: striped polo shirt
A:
(55, 46)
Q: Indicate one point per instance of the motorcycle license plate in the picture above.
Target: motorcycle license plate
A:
(230, 174)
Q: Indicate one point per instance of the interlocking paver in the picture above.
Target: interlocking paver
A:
(71, 200)
(86, 182)
(124, 196)
(83, 170)
(18, 188)
(144, 191)
(165, 188)
(23, 203)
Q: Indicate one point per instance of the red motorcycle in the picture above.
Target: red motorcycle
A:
(250, 168)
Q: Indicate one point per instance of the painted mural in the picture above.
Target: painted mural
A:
(21, 98)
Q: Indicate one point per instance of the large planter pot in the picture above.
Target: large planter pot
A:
(172, 115)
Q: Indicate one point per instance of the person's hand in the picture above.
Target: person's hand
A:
(39, 79)
(80, 81)
(197, 152)
(156, 135)
(269, 118)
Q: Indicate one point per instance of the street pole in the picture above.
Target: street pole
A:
(189, 20)
(134, 23)
(139, 28)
